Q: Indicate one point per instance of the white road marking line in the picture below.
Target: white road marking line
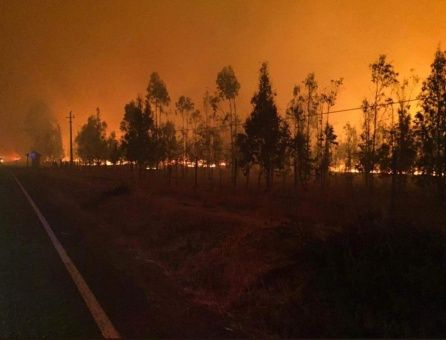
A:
(103, 322)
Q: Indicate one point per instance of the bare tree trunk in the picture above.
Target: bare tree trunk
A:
(375, 123)
(235, 136)
(231, 133)
(196, 173)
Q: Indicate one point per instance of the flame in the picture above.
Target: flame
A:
(12, 157)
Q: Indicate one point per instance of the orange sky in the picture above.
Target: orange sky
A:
(77, 55)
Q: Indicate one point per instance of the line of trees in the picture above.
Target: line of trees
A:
(302, 142)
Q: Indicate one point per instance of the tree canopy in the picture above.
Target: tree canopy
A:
(137, 128)
(91, 140)
(266, 132)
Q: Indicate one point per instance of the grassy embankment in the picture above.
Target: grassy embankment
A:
(336, 262)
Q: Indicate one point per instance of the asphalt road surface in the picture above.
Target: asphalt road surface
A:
(38, 298)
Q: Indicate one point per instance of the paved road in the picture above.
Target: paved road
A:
(37, 296)
(39, 299)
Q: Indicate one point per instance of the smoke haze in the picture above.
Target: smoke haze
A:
(78, 55)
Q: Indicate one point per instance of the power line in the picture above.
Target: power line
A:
(70, 117)
(335, 111)
(379, 105)
(361, 107)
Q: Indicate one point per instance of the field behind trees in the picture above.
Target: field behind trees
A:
(332, 261)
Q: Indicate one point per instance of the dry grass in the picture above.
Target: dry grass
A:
(336, 262)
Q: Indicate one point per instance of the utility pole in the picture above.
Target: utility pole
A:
(70, 120)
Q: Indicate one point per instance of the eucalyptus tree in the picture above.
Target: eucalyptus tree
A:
(211, 131)
(311, 103)
(91, 140)
(245, 155)
(194, 121)
(137, 128)
(346, 154)
(169, 146)
(327, 153)
(265, 131)
(431, 124)
(327, 138)
(213, 102)
(228, 87)
(402, 136)
(157, 96)
(195, 118)
(195, 150)
(383, 77)
(303, 111)
(366, 156)
(113, 148)
(184, 107)
(208, 147)
(350, 147)
(300, 150)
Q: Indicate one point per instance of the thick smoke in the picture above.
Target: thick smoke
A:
(42, 132)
